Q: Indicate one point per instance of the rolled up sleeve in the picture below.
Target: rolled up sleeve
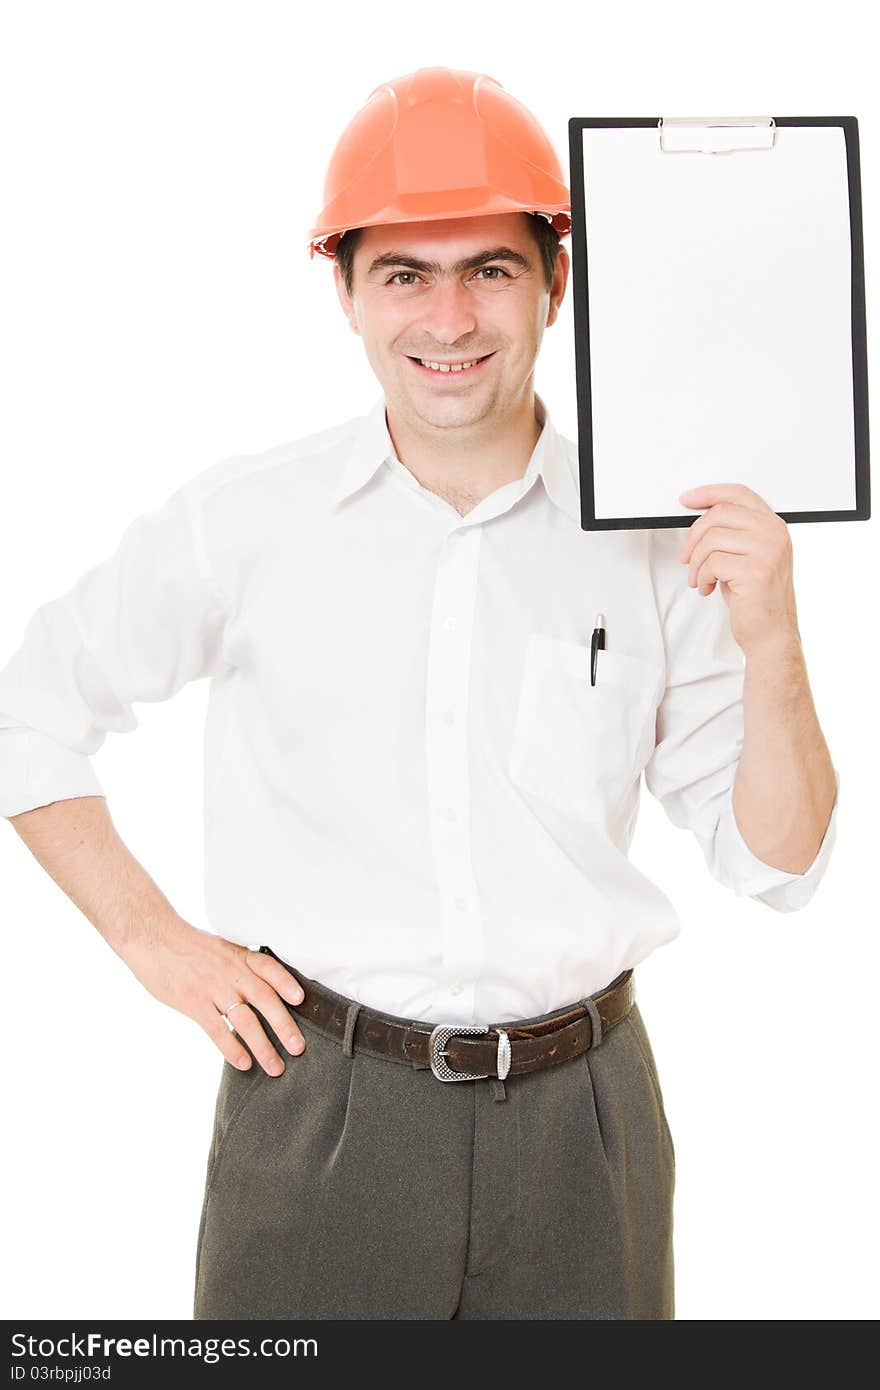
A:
(136, 627)
(749, 876)
(699, 738)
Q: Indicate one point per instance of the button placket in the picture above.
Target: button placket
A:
(446, 733)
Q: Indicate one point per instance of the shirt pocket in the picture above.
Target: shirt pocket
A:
(578, 746)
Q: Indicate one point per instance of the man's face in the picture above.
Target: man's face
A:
(451, 292)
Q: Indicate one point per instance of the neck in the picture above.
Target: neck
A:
(468, 462)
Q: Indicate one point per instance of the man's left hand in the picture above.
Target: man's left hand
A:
(743, 545)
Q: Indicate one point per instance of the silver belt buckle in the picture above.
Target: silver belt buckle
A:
(436, 1052)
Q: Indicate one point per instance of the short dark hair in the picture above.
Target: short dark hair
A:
(546, 237)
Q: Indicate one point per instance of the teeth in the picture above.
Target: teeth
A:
(449, 367)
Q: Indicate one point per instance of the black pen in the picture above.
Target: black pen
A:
(597, 644)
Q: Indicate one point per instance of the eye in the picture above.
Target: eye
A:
(495, 273)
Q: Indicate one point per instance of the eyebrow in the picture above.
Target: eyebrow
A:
(500, 253)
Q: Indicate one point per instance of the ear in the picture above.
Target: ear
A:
(558, 284)
(345, 299)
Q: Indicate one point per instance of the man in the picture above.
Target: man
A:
(418, 802)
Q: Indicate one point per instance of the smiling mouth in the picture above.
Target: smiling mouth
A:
(449, 370)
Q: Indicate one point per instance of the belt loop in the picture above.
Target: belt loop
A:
(595, 1019)
(352, 1012)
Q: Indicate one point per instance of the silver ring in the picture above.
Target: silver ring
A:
(225, 1016)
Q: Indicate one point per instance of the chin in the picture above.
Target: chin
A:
(450, 412)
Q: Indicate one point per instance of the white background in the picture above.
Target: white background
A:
(161, 164)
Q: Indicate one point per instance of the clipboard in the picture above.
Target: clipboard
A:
(719, 313)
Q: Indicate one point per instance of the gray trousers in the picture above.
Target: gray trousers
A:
(356, 1186)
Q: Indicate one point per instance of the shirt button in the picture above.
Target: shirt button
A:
(449, 716)
(456, 988)
(448, 623)
(450, 814)
(461, 904)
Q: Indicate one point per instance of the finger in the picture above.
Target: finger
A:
(277, 975)
(247, 1026)
(722, 513)
(265, 998)
(707, 495)
(724, 538)
(227, 1042)
(720, 565)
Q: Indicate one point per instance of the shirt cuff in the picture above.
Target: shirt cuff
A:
(35, 770)
(751, 877)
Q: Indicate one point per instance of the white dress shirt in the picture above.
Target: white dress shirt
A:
(411, 784)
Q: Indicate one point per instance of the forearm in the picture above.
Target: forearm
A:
(785, 786)
(77, 844)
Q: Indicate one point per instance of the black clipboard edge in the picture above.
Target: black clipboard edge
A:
(581, 315)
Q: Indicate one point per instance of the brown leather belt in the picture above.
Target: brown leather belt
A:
(462, 1052)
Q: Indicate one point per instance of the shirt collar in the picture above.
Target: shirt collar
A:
(553, 458)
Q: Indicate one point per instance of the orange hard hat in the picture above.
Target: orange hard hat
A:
(439, 143)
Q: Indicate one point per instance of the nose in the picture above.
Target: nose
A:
(449, 313)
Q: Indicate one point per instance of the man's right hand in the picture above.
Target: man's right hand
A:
(201, 975)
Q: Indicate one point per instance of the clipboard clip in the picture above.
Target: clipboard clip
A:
(715, 134)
